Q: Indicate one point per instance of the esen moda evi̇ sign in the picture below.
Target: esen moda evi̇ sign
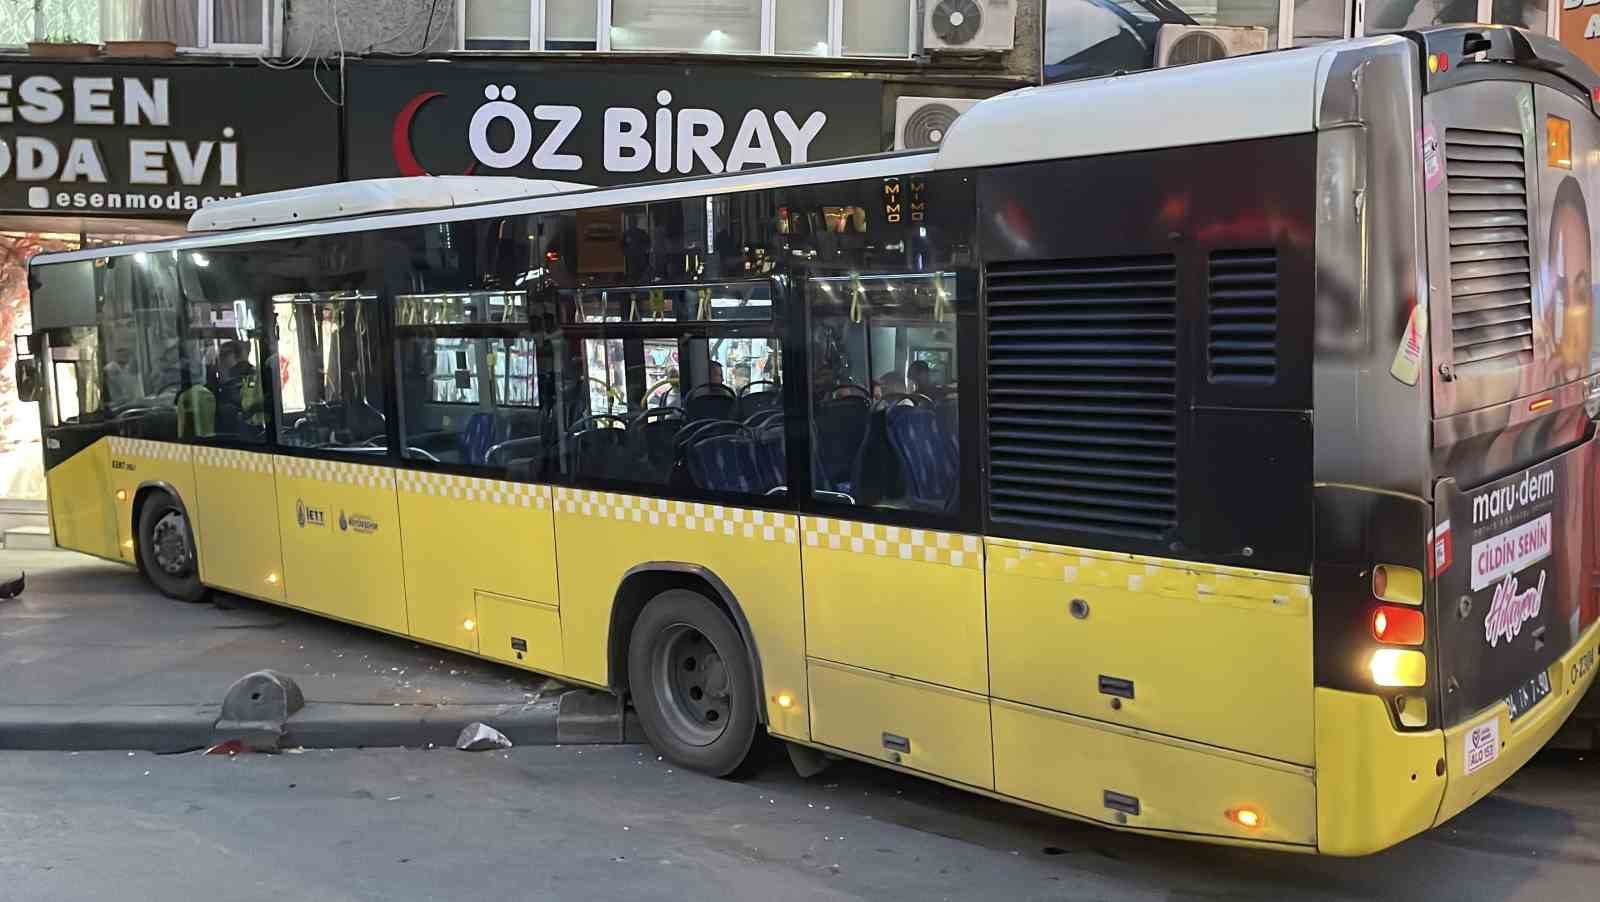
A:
(157, 140)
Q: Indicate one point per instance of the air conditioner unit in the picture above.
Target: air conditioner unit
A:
(922, 122)
(1179, 45)
(969, 25)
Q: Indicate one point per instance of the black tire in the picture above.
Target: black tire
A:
(693, 685)
(173, 568)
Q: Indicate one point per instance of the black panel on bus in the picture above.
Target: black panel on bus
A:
(1148, 337)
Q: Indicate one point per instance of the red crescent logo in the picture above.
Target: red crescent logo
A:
(405, 159)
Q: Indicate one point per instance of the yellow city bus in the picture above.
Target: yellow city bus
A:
(1204, 452)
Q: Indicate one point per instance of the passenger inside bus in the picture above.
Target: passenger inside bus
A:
(124, 381)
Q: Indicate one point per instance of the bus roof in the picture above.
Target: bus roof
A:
(341, 200)
(1255, 96)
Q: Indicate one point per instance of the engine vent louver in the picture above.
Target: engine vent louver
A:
(1083, 360)
(1491, 293)
(1242, 329)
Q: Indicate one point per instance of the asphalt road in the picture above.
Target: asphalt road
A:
(616, 823)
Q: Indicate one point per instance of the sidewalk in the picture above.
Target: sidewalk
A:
(91, 657)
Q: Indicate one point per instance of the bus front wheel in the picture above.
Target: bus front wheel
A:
(692, 683)
(167, 550)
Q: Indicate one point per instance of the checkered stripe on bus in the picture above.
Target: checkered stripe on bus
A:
(473, 488)
(335, 471)
(232, 459)
(766, 526)
(1144, 575)
(900, 542)
(139, 447)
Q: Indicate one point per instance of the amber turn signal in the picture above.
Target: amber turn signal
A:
(1249, 818)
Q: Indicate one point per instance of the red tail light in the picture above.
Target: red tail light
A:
(1394, 625)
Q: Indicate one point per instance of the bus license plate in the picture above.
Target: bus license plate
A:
(1524, 697)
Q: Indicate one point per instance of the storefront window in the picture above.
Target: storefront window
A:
(217, 25)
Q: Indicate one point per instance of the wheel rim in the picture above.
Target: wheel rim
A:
(169, 543)
(692, 686)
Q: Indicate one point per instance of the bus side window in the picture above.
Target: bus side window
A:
(671, 361)
(467, 348)
(881, 296)
(886, 402)
(331, 387)
(149, 363)
(471, 399)
(226, 337)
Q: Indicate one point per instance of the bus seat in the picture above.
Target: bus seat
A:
(477, 437)
(504, 453)
(710, 402)
(653, 435)
(759, 396)
(840, 429)
(876, 474)
(763, 418)
(927, 454)
(772, 455)
(725, 462)
(949, 408)
(599, 444)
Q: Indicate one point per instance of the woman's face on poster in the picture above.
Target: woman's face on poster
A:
(1570, 313)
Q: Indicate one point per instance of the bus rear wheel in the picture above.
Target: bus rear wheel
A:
(167, 550)
(692, 683)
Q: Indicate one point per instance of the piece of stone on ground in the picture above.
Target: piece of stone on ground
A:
(480, 737)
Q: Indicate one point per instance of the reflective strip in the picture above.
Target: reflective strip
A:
(473, 488)
(1137, 573)
(138, 447)
(232, 459)
(335, 471)
(922, 545)
(733, 522)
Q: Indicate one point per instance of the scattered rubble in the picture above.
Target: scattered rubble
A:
(480, 737)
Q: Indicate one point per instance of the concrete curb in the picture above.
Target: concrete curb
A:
(592, 719)
(83, 728)
(379, 726)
